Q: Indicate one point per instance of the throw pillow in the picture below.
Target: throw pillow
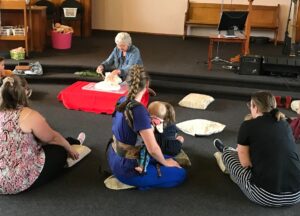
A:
(114, 184)
(196, 101)
(218, 156)
(200, 127)
(82, 150)
(183, 159)
(295, 106)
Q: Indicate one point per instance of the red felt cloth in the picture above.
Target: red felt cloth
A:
(283, 101)
(76, 98)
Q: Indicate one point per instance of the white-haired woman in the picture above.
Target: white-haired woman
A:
(122, 57)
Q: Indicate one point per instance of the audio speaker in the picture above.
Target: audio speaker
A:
(281, 65)
(250, 65)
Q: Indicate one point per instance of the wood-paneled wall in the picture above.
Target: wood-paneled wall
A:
(87, 16)
(298, 25)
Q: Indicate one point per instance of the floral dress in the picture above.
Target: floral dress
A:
(21, 157)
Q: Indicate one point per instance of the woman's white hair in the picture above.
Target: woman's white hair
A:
(123, 38)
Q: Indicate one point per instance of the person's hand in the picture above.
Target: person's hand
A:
(180, 139)
(100, 69)
(170, 162)
(113, 76)
(73, 153)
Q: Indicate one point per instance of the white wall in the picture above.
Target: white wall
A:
(154, 16)
(163, 16)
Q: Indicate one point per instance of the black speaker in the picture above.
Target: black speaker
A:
(281, 65)
(250, 65)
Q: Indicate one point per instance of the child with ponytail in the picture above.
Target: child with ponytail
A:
(163, 123)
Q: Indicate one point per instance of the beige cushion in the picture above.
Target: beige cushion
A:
(183, 159)
(218, 156)
(114, 184)
(82, 150)
(196, 101)
(200, 127)
(295, 106)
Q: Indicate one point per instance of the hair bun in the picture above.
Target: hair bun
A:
(10, 80)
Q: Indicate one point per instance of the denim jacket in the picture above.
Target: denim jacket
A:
(115, 61)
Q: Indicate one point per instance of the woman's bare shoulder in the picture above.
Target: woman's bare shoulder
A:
(28, 113)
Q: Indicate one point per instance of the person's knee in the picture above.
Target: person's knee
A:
(62, 153)
(179, 175)
(56, 151)
(228, 155)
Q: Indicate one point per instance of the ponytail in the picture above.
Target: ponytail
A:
(170, 114)
(137, 80)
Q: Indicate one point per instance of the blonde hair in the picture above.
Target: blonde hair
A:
(162, 110)
(266, 103)
(137, 80)
(123, 38)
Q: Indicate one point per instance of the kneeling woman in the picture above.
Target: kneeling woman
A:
(130, 122)
(266, 165)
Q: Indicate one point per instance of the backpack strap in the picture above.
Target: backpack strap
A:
(128, 112)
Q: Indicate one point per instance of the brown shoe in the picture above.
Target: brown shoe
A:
(151, 92)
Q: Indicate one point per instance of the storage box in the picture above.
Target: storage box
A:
(17, 55)
(70, 12)
(18, 31)
(23, 67)
(6, 30)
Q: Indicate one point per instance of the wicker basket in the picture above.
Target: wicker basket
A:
(17, 55)
(70, 12)
(18, 31)
(6, 30)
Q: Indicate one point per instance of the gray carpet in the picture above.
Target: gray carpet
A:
(80, 191)
(171, 62)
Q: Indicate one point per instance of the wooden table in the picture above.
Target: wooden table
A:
(220, 38)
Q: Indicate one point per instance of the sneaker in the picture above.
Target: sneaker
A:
(219, 145)
(81, 137)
